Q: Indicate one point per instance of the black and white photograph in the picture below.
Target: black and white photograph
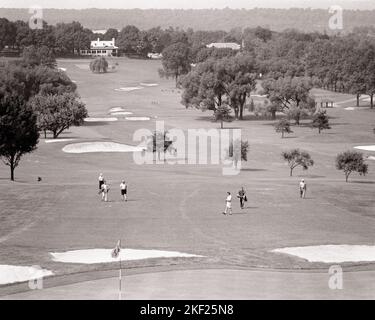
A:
(201, 150)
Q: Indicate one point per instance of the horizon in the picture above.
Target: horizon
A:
(189, 4)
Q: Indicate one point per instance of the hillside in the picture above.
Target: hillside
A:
(205, 19)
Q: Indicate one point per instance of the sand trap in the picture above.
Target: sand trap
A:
(101, 119)
(58, 140)
(371, 158)
(83, 66)
(138, 118)
(116, 109)
(332, 253)
(149, 84)
(92, 147)
(13, 274)
(62, 69)
(350, 109)
(121, 113)
(365, 148)
(93, 256)
(128, 89)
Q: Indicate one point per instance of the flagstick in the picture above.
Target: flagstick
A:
(120, 298)
(120, 277)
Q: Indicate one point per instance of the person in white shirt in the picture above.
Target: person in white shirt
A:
(303, 189)
(105, 191)
(228, 208)
(124, 190)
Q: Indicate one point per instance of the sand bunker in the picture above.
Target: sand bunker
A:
(332, 253)
(121, 113)
(83, 66)
(371, 158)
(58, 140)
(92, 147)
(128, 89)
(350, 109)
(116, 109)
(149, 84)
(13, 274)
(101, 119)
(138, 118)
(62, 69)
(366, 148)
(93, 256)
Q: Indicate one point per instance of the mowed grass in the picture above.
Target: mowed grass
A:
(179, 207)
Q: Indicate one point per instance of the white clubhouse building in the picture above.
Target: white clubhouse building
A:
(100, 48)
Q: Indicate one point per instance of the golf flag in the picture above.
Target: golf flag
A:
(116, 251)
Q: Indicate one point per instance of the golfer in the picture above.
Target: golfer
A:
(228, 208)
(242, 196)
(124, 190)
(302, 189)
(101, 181)
(105, 191)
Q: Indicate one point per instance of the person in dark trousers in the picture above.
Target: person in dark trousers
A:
(243, 198)
(124, 191)
(101, 182)
(303, 189)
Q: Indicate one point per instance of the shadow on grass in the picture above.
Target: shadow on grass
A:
(312, 176)
(253, 170)
(96, 124)
(361, 182)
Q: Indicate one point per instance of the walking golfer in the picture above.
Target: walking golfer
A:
(105, 191)
(228, 208)
(242, 196)
(303, 189)
(124, 190)
(101, 181)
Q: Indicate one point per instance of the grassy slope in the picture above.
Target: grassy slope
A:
(179, 207)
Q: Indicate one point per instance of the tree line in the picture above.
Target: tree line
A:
(307, 20)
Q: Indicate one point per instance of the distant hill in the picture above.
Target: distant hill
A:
(205, 19)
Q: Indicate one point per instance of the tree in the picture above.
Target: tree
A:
(128, 39)
(43, 56)
(240, 77)
(99, 65)
(57, 113)
(263, 34)
(175, 61)
(283, 126)
(222, 113)
(19, 133)
(159, 143)
(289, 93)
(26, 82)
(110, 34)
(351, 161)
(238, 151)
(7, 33)
(297, 158)
(213, 82)
(321, 121)
(71, 38)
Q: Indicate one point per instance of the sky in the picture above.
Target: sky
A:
(187, 4)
